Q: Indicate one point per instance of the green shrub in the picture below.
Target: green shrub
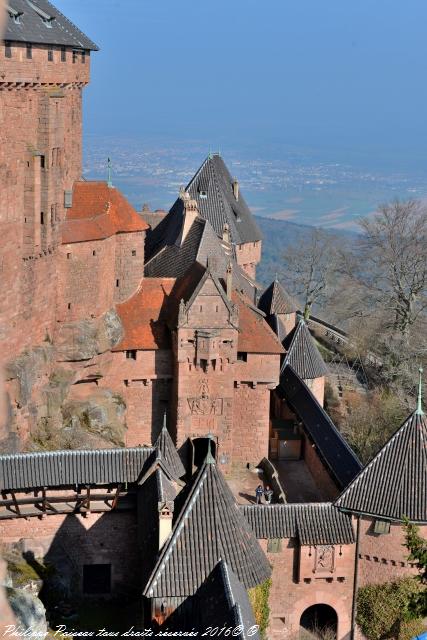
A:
(383, 610)
(258, 597)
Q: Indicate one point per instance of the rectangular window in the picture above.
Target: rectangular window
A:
(131, 354)
(63, 54)
(7, 49)
(68, 256)
(274, 545)
(381, 527)
(94, 253)
(134, 252)
(50, 55)
(42, 162)
(68, 199)
(29, 50)
(83, 57)
(117, 283)
(242, 356)
(69, 305)
(74, 56)
(96, 578)
(41, 217)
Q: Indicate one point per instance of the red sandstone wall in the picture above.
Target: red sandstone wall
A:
(145, 386)
(321, 476)
(250, 423)
(317, 387)
(297, 585)
(383, 558)
(248, 255)
(40, 114)
(288, 320)
(109, 538)
(129, 264)
(86, 279)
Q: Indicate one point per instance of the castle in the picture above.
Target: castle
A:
(142, 344)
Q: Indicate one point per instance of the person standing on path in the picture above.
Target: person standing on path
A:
(268, 494)
(259, 492)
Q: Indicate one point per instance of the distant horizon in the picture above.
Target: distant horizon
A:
(301, 85)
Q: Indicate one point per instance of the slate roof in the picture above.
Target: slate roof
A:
(99, 212)
(202, 245)
(167, 449)
(302, 354)
(275, 300)
(394, 484)
(66, 468)
(312, 523)
(165, 490)
(221, 601)
(218, 207)
(336, 454)
(224, 595)
(42, 23)
(144, 316)
(209, 528)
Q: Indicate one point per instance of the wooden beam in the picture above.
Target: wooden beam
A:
(116, 497)
(15, 502)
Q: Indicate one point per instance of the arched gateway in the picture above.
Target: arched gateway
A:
(319, 621)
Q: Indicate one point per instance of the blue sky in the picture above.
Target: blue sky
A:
(334, 73)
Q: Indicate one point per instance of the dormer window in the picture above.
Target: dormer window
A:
(203, 194)
(14, 15)
(47, 19)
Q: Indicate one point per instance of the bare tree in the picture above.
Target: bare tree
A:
(309, 268)
(394, 262)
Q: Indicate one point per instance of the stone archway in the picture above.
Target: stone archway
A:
(319, 621)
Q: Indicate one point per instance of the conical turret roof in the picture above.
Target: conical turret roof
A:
(394, 484)
(168, 451)
(302, 354)
(210, 527)
(276, 299)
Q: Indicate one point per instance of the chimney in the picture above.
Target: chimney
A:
(226, 233)
(191, 212)
(165, 522)
(236, 189)
(229, 280)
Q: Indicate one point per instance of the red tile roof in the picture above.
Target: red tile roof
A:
(144, 316)
(255, 336)
(98, 212)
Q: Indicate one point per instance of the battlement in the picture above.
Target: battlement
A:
(26, 65)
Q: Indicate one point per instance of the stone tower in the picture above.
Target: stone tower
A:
(44, 65)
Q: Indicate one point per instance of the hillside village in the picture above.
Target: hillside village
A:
(152, 385)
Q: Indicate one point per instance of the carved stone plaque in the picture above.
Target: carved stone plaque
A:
(324, 560)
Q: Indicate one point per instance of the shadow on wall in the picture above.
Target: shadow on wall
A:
(89, 563)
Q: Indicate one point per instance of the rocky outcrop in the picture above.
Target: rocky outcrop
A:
(21, 585)
(44, 409)
(84, 339)
(27, 369)
(98, 420)
(28, 609)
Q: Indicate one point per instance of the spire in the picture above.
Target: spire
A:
(209, 457)
(164, 420)
(109, 181)
(419, 410)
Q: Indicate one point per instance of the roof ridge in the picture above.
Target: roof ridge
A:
(407, 426)
(187, 507)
